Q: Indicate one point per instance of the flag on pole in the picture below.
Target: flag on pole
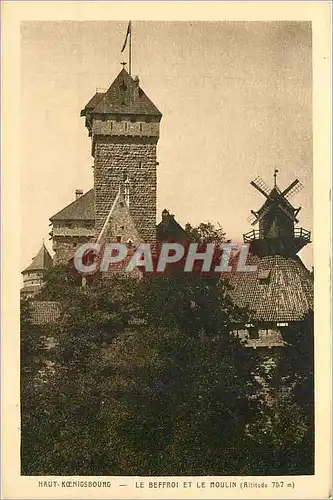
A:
(128, 33)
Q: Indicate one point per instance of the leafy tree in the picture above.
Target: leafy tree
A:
(205, 232)
(282, 431)
(33, 373)
(148, 380)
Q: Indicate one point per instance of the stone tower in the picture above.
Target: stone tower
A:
(124, 126)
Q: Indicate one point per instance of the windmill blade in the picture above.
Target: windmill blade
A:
(296, 189)
(261, 183)
(251, 219)
(259, 188)
(290, 187)
(259, 217)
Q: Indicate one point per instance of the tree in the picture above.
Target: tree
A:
(148, 379)
(205, 232)
(281, 433)
(33, 379)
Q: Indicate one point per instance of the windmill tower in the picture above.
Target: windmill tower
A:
(276, 219)
(278, 292)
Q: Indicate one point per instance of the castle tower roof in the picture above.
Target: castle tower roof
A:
(124, 96)
(41, 261)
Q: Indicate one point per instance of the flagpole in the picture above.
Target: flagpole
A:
(130, 52)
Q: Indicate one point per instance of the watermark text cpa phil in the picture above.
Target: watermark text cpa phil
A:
(213, 257)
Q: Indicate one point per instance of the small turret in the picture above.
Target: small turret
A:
(33, 275)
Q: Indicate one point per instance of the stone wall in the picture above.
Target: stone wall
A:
(264, 337)
(65, 247)
(125, 127)
(135, 158)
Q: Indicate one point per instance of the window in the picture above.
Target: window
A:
(126, 126)
(118, 239)
(111, 125)
(140, 164)
(264, 276)
(141, 127)
(253, 333)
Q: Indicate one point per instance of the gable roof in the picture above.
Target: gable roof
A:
(280, 290)
(81, 209)
(112, 228)
(41, 261)
(124, 96)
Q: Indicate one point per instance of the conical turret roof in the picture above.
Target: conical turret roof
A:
(41, 261)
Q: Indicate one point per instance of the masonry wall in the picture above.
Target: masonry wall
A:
(134, 157)
(125, 127)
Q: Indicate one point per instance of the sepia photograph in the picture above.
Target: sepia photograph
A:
(198, 360)
(167, 273)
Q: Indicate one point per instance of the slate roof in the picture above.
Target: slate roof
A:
(43, 312)
(41, 261)
(81, 209)
(124, 96)
(280, 290)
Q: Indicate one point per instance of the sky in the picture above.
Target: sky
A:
(236, 99)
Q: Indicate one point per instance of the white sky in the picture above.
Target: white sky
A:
(236, 100)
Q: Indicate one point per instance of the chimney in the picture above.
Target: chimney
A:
(78, 193)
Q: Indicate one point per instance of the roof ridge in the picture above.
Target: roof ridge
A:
(76, 201)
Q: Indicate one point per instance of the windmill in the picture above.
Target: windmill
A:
(277, 216)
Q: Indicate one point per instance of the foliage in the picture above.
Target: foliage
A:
(146, 379)
(281, 437)
(205, 232)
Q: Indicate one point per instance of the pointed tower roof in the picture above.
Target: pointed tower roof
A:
(41, 262)
(124, 96)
